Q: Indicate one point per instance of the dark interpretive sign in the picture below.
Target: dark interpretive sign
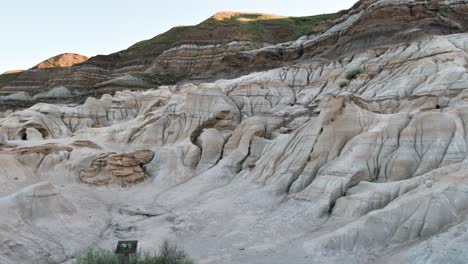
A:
(127, 247)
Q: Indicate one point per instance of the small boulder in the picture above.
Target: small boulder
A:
(144, 156)
(33, 134)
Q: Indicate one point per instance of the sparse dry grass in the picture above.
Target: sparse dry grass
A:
(353, 73)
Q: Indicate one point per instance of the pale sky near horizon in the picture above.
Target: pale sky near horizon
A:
(32, 31)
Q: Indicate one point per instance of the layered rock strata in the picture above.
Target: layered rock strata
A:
(117, 168)
(358, 158)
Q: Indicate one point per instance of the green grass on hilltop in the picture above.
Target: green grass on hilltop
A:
(230, 26)
(255, 25)
(156, 78)
(8, 77)
(169, 37)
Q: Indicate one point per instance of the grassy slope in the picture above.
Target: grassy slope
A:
(8, 77)
(238, 26)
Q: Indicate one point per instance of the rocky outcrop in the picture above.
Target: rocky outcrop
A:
(60, 92)
(85, 144)
(62, 61)
(117, 168)
(55, 121)
(33, 80)
(198, 58)
(369, 24)
(45, 149)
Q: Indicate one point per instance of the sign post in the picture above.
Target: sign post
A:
(126, 248)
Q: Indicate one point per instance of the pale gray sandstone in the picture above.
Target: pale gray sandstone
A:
(276, 166)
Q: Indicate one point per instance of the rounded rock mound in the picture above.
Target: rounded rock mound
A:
(62, 61)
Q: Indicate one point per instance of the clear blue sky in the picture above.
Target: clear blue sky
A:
(34, 30)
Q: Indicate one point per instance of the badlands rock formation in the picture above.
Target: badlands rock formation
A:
(117, 168)
(232, 44)
(359, 156)
(34, 78)
(183, 52)
(62, 61)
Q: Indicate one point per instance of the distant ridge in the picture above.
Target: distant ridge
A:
(62, 61)
(248, 16)
(13, 71)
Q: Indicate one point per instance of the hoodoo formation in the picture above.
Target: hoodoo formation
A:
(249, 138)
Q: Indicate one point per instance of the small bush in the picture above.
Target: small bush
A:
(343, 84)
(168, 254)
(353, 73)
(157, 79)
(98, 256)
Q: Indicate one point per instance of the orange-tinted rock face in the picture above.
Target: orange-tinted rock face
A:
(49, 73)
(62, 61)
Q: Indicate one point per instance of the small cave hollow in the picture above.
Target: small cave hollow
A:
(23, 134)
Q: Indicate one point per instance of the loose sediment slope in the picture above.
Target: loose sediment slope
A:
(358, 159)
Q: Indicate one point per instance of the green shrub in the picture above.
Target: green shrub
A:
(157, 78)
(343, 84)
(168, 254)
(353, 73)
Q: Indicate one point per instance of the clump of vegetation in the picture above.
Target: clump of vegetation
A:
(157, 78)
(353, 73)
(94, 256)
(343, 84)
(168, 254)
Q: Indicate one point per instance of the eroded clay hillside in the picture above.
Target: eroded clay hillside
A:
(352, 151)
(232, 44)
(180, 53)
